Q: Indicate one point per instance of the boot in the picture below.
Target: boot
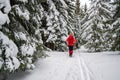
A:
(70, 53)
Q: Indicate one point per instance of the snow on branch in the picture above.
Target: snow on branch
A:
(4, 10)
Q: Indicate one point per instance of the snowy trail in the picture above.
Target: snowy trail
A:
(80, 71)
(82, 66)
(74, 70)
(59, 66)
(85, 71)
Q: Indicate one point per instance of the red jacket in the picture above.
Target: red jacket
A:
(71, 40)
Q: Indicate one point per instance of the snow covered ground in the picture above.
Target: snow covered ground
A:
(82, 66)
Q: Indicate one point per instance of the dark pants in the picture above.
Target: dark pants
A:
(70, 50)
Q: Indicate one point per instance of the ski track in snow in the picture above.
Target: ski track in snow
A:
(85, 71)
(80, 71)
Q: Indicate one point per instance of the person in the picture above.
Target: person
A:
(71, 41)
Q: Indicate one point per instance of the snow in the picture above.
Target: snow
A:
(24, 14)
(63, 38)
(1, 62)
(116, 22)
(11, 48)
(82, 66)
(103, 66)
(51, 29)
(5, 4)
(83, 2)
(63, 4)
(3, 18)
(28, 49)
(12, 64)
(52, 37)
(24, 1)
(20, 36)
(16, 63)
(30, 66)
(52, 6)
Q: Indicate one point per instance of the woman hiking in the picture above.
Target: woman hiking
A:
(71, 41)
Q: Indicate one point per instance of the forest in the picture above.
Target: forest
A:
(30, 27)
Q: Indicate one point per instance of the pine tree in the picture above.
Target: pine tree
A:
(69, 16)
(77, 25)
(25, 19)
(20, 42)
(116, 26)
(97, 25)
(85, 8)
(8, 49)
(54, 25)
(58, 22)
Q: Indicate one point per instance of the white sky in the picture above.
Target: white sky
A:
(84, 1)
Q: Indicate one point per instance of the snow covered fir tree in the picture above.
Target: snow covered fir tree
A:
(97, 25)
(30, 27)
(116, 26)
